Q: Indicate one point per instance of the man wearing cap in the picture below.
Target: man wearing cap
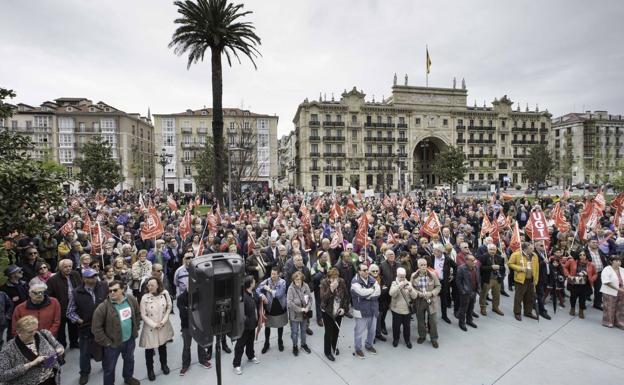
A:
(82, 303)
(61, 286)
(47, 310)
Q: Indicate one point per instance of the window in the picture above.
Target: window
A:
(354, 135)
(187, 171)
(401, 120)
(445, 122)
(263, 169)
(314, 132)
(263, 124)
(65, 124)
(66, 140)
(354, 119)
(489, 123)
(187, 155)
(14, 124)
(339, 180)
(418, 121)
(339, 118)
(81, 127)
(314, 148)
(460, 122)
(327, 118)
(369, 119)
(314, 118)
(389, 119)
(543, 126)
(188, 187)
(532, 124)
(263, 140)
(69, 172)
(41, 121)
(503, 136)
(354, 149)
(502, 150)
(246, 126)
(471, 124)
(503, 123)
(315, 181)
(168, 125)
(66, 155)
(402, 149)
(328, 180)
(108, 125)
(232, 126)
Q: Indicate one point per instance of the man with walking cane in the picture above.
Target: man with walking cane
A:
(334, 305)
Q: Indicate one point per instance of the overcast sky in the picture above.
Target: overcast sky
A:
(560, 54)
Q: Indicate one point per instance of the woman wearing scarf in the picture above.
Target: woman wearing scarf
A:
(298, 300)
(141, 269)
(31, 358)
(334, 303)
(581, 274)
(272, 291)
(43, 273)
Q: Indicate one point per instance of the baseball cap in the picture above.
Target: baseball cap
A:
(13, 269)
(89, 273)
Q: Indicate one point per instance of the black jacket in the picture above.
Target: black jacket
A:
(57, 288)
(85, 305)
(250, 302)
(346, 272)
(18, 293)
(464, 282)
(182, 300)
(486, 266)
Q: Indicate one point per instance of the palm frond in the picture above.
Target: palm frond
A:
(214, 25)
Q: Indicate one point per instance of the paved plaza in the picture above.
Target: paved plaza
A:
(565, 350)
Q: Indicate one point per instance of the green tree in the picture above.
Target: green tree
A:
(618, 177)
(98, 168)
(28, 187)
(214, 25)
(205, 167)
(450, 166)
(538, 166)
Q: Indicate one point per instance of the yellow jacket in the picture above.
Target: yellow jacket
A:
(517, 263)
(63, 249)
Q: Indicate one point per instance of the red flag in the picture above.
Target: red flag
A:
(507, 197)
(486, 226)
(502, 221)
(212, 223)
(432, 224)
(153, 227)
(219, 217)
(599, 201)
(560, 220)
(318, 204)
(251, 243)
(99, 198)
(96, 239)
(618, 217)
(538, 228)
(588, 219)
(68, 227)
(86, 225)
(351, 205)
(404, 214)
(493, 200)
(106, 235)
(172, 203)
(337, 238)
(335, 211)
(361, 235)
(262, 318)
(142, 202)
(391, 241)
(184, 228)
(305, 217)
(515, 244)
(528, 228)
(241, 215)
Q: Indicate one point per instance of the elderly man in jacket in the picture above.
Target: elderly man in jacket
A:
(82, 304)
(115, 326)
(61, 286)
(492, 268)
(427, 288)
(525, 265)
(468, 284)
(388, 275)
(365, 293)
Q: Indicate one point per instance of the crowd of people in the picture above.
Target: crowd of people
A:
(112, 267)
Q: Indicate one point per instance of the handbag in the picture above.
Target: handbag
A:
(410, 304)
(306, 314)
(577, 280)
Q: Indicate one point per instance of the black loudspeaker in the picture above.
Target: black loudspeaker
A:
(215, 297)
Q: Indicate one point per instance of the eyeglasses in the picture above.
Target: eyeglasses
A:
(158, 271)
(189, 257)
(373, 271)
(113, 290)
(38, 292)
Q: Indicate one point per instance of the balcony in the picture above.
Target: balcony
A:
(460, 127)
(314, 123)
(202, 131)
(481, 128)
(333, 124)
(402, 140)
(186, 130)
(524, 129)
(314, 154)
(315, 168)
(402, 125)
(461, 141)
(402, 155)
(379, 125)
(187, 145)
(328, 138)
(314, 138)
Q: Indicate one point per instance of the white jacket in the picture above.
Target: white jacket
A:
(609, 275)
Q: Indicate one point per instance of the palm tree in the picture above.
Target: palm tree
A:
(214, 24)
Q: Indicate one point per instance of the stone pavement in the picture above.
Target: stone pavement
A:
(503, 351)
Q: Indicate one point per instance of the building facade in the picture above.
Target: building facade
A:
(587, 147)
(60, 128)
(381, 145)
(286, 161)
(183, 136)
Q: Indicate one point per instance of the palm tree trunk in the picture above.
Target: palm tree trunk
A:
(217, 123)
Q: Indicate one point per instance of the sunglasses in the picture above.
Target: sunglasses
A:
(373, 271)
(40, 292)
(189, 257)
(158, 271)
(113, 290)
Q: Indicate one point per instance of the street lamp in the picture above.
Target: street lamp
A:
(164, 160)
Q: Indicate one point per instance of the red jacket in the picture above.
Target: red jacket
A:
(49, 316)
(569, 269)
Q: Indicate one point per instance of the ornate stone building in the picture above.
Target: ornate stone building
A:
(375, 144)
(183, 136)
(588, 147)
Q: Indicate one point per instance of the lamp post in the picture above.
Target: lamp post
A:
(164, 160)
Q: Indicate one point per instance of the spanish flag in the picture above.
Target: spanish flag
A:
(428, 61)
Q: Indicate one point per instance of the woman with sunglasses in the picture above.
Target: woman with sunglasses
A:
(43, 272)
(47, 309)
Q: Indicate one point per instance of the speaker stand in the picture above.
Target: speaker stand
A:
(218, 359)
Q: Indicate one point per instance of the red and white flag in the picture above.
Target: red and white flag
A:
(335, 211)
(86, 224)
(599, 201)
(212, 223)
(172, 203)
(153, 227)
(96, 239)
(361, 235)
(486, 226)
(184, 228)
(68, 227)
(560, 220)
(251, 243)
(502, 221)
(432, 224)
(538, 229)
(515, 243)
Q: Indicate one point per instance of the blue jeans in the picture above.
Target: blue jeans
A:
(85, 341)
(109, 362)
(296, 328)
(362, 325)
